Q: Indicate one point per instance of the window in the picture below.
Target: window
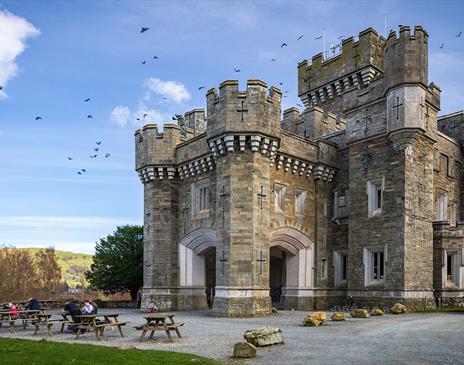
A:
(340, 204)
(374, 265)
(280, 191)
(324, 269)
(340, 260)
(300, 201)
(453, 214)
(200, 198)
(375, 197)
(441, 202)
(452, 269)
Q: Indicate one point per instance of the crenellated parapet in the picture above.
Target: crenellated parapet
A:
(155, 152)
(255, 109)
(320, 80)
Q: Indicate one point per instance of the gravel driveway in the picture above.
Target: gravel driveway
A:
(404, 339)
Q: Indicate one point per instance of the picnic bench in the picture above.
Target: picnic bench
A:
(92, 322)
(160, 322)
(42, 319)
(28, 316)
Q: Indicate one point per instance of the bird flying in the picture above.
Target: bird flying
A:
(442, 45)
(83, 170)
(96, 149)
(79, 173)
(144, 29)
(320, 37)
(459, 34)
(94, 156)
(144, 62)
(107, 155)
(38, 118)
(201, 87)
(273, 59)
(98, 143)
(145, 115)
(89, 116)
(69, 158)
(1, 87)
(236, 69)
(155, 57)
(281, 83)
(87, 100)
(301, 36)
(283, 45)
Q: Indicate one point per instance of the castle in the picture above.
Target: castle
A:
(354, 200)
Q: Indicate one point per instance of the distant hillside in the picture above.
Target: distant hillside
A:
(73, 266)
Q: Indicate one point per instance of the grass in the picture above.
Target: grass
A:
(22, 352)
(440, 310)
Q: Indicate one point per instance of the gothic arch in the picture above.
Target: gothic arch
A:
(300, 255)
(191, 260)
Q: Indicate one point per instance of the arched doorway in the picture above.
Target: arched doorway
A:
(291, 265)
(197, 263)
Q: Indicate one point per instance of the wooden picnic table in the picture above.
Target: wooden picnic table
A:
(43, 319)
(10, 317)
(29, 316)
(160, 322)
(91, 322)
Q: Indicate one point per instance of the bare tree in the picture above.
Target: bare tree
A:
(48, 272)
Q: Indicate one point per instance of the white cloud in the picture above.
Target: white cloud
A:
(121, 115)
(14, 32)
(173, 90)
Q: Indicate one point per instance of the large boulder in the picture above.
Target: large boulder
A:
(376, 312)
(244, 350)
(338, 316)
(398, 309)
(315, 319)
(264, 336)
(359, 313)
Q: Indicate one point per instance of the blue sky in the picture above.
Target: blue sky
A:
(53, 55)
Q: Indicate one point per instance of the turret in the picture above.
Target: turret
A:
(254, 110)
(155, 151)
(195, 120)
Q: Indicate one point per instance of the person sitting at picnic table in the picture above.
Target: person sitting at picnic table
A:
(33, 305)
(12, 308)
(72, 309)
(152, 308)
(87, 308)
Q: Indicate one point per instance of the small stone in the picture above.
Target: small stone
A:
(338, 316)
(315, 319)
(398, 309)
(264, 336)
(376, 312)
(244, 350)
(195, 360)
(359, 313)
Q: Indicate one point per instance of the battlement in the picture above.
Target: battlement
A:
(195, 120)
(406, 58)
(358, 63)
(255, 109)
(154, 148)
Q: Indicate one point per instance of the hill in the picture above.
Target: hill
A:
(73, 266)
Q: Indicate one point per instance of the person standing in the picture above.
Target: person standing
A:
(139, 298)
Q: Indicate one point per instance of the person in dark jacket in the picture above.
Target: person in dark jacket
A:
(33, 305)
(72, 309)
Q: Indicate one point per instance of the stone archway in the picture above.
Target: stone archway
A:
(298, 256)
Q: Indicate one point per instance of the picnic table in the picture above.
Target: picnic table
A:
(98, 323)
(43, 319)
(28, 316)
(160, 322)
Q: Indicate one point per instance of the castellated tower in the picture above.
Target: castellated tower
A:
(356, 199)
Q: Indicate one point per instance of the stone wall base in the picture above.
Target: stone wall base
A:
(241, 302)
(175, 299)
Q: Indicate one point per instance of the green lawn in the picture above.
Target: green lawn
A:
(22, 352)
(440, 310)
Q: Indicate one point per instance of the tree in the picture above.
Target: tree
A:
(48, 271)
(118, 262)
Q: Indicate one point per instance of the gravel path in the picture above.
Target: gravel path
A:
(406, 339)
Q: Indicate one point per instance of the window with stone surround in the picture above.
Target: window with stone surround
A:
(300, 201)
(340, 261)
(453, 214)
(324, 269)
(452, 268)
(374, 265)
(200, 197)
(375, 190)
(280, 192)
(340, 204)
(441, 205)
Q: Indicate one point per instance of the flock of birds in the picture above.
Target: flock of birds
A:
(333, 48)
